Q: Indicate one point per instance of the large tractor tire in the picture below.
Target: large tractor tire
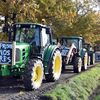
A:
(77, 65)
(88, 61)
(63, 64)
(33, 75)
(92, 59)
(85, 61)
(55, 67)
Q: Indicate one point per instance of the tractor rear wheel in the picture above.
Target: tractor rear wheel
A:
(85, 61)
(88, 61)
(33, 75)
(77, 64)
(55, 67)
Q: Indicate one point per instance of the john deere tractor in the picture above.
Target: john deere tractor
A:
(91, 53)
(31, 55)
(73, 53)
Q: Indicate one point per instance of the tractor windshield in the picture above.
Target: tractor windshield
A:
(27, 35)
(68, 42)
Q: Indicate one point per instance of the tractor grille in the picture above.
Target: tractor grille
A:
(23, 54)
(17, 54)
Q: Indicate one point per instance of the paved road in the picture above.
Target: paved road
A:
(12, 89)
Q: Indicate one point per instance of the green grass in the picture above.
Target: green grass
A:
(96, 93)
(97, 97)
(78, 88)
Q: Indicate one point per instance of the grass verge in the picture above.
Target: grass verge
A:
(97, 97)
(78, 88)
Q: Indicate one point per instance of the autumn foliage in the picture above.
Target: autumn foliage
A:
(66, 17)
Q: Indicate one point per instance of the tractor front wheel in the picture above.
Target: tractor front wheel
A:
(88, 61)
(33, 75)
(77, 64)
(55, 67)
(92, 59)
(85, 61)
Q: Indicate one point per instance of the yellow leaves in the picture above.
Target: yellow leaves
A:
(71, 14)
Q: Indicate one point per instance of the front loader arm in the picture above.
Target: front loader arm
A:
(70, 52)
(67, 53)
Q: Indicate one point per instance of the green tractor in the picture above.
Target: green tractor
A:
(31, 55)
(73, 53)
(91, 53)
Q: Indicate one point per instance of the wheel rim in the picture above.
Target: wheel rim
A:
(37, 76)
(57, 65)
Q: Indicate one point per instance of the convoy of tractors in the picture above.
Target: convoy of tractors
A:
(31, 54)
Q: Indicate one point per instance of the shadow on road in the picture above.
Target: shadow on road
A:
(10, 85)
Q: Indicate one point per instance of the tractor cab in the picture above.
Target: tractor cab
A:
(68, 41)
(88, 47)
(36, 35)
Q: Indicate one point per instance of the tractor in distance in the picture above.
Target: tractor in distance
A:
(97, 52)
(31, 55)
(91, 53)
(73, 53)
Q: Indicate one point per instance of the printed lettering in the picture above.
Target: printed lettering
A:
(9, 60)
(5, 53)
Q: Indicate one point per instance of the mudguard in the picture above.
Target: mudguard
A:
(47, 57)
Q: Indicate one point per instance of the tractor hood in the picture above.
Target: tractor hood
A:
(12, 53)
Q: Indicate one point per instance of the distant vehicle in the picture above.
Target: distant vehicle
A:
(91, 53)
(74, 53)
(97, 52)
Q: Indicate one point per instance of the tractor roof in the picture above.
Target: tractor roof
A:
(72, 37)
(28, 24)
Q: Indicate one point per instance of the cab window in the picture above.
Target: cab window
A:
(45, 37)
